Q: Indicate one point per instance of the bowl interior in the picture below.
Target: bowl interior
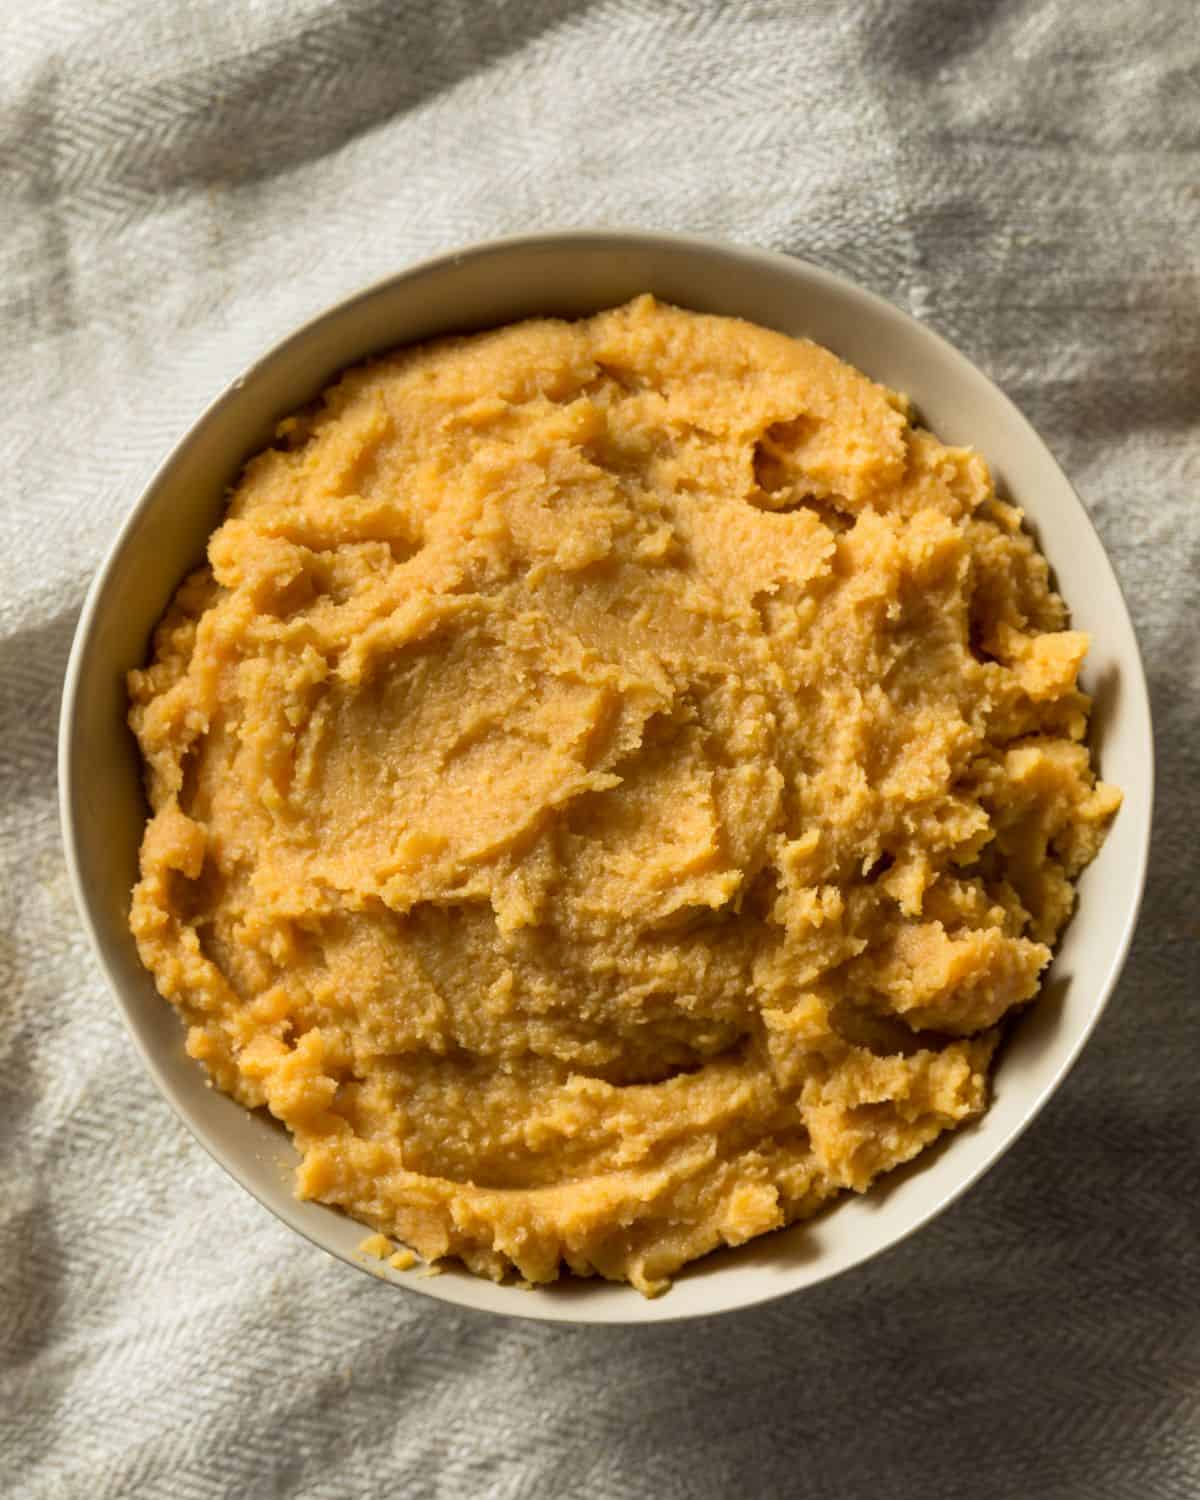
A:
(572, 275)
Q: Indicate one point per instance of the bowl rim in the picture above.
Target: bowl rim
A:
(69, 768)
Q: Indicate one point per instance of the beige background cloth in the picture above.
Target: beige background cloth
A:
(179, 186)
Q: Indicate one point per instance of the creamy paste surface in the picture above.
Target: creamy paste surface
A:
(610, 782)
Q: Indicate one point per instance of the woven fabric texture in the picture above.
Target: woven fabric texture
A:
(182, 184)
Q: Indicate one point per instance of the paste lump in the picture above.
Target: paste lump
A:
(609, 784)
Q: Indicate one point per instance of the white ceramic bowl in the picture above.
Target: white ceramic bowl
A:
(574, 274)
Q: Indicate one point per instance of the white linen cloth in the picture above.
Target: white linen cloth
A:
(182, 184)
